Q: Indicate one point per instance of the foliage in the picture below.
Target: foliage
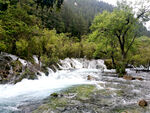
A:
(142, 54)
(22, 48)
(49, 3)
(74, 19)
(115, 33)
(50, 47)
(27, 28)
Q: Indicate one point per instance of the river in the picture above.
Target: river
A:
(72, 72)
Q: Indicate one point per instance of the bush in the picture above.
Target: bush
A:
(3, 46)
(22, 48)
(120, 69)
(108, 63)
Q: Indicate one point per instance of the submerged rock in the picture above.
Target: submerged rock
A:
(89, 77)
(142, 103)
(54, 95)
(138, 78)
(75, 99)
(127, 77)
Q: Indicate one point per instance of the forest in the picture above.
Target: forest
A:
(55, 30)
(74, 56)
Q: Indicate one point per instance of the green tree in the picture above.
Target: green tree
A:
(117, 31)
(142, 54)
(22, 48)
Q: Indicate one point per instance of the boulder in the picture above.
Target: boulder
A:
(142, 103)
(138, 78)
(127, 77)
(89, 77)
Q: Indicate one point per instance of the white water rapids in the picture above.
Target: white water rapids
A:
(73, 72)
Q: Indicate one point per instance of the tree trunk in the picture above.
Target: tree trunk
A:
(39, 59)
(113, 60)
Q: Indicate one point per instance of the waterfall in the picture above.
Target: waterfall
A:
(72, 72)
(81, 63)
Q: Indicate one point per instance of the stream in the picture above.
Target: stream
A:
(73, 72)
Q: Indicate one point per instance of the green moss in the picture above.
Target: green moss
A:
(26, 74)
(81, 92)
(42, 108)
(119, 92)
(58, 102)
(29, 73)
(16, 65)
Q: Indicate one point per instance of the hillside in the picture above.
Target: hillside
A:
(76, 17)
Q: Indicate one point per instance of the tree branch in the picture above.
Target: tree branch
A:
(130, 45)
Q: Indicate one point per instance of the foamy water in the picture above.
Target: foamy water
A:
(74, 72)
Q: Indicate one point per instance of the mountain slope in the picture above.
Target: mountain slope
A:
(76, 17)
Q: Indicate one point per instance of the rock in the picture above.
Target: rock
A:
(142, 103)
(89, 77)
(125, 112)
(13, 71)
(127, 77)
(137, 78)
(76, 99)
(1, 78)
(7, 58)
(16, 65)
(55, 95)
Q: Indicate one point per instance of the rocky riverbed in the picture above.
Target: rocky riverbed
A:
(113, 95)
(76, 86)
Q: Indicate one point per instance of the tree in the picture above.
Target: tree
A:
(142, 55)
(49, 3)
(118, 31)
(43, 3)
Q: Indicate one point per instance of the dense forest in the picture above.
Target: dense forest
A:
(56, 30)
(76, 17)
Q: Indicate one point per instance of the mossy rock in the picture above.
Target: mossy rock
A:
(82, 91)
(17, 66)
(108, 63)
(26, 74)
(56, 103)
(55, 95)
(15, 63)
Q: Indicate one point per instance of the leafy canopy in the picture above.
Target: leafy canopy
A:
(115, 34)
